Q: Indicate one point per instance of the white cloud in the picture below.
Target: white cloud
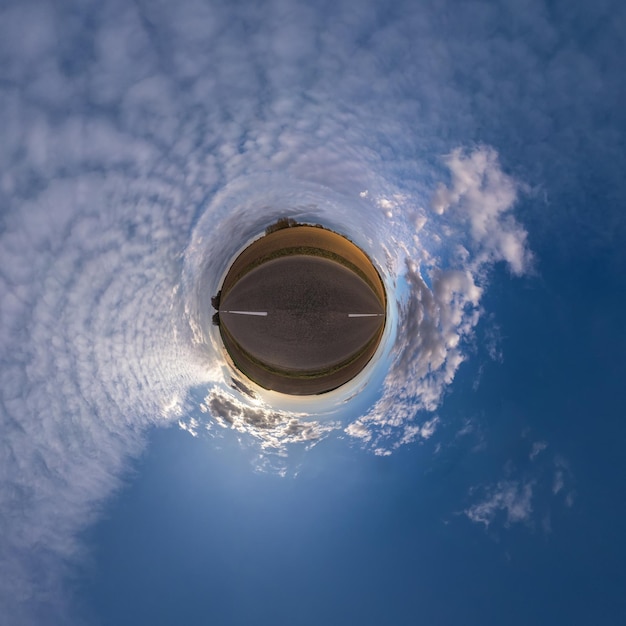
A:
(273, 429)
(89, 359)
(511, 497)
(382, 452)
(562, 479)
(413, 432)
(559, 481)
(360, 431)
(537, 448)
(483, 195)
(527, 495)
(438, 317)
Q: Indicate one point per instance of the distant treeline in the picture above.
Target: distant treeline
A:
(288, 222)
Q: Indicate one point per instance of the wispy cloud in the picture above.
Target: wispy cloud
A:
(562, 481)
(537, 448)
(528, 493)
(512, 498)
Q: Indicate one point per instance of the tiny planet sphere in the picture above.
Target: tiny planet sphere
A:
(301, 310)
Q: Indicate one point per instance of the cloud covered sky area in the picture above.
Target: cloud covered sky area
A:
(451, 127)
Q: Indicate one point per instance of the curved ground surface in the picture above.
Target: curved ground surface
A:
(301, 314)
(302, 310)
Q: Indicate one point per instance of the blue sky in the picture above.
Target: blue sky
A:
(474, 150)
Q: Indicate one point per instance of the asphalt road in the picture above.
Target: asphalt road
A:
(302, 314)
(298, 237)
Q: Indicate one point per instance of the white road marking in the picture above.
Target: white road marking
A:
(264, 313)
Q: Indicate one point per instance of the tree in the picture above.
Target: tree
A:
(283, 222)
